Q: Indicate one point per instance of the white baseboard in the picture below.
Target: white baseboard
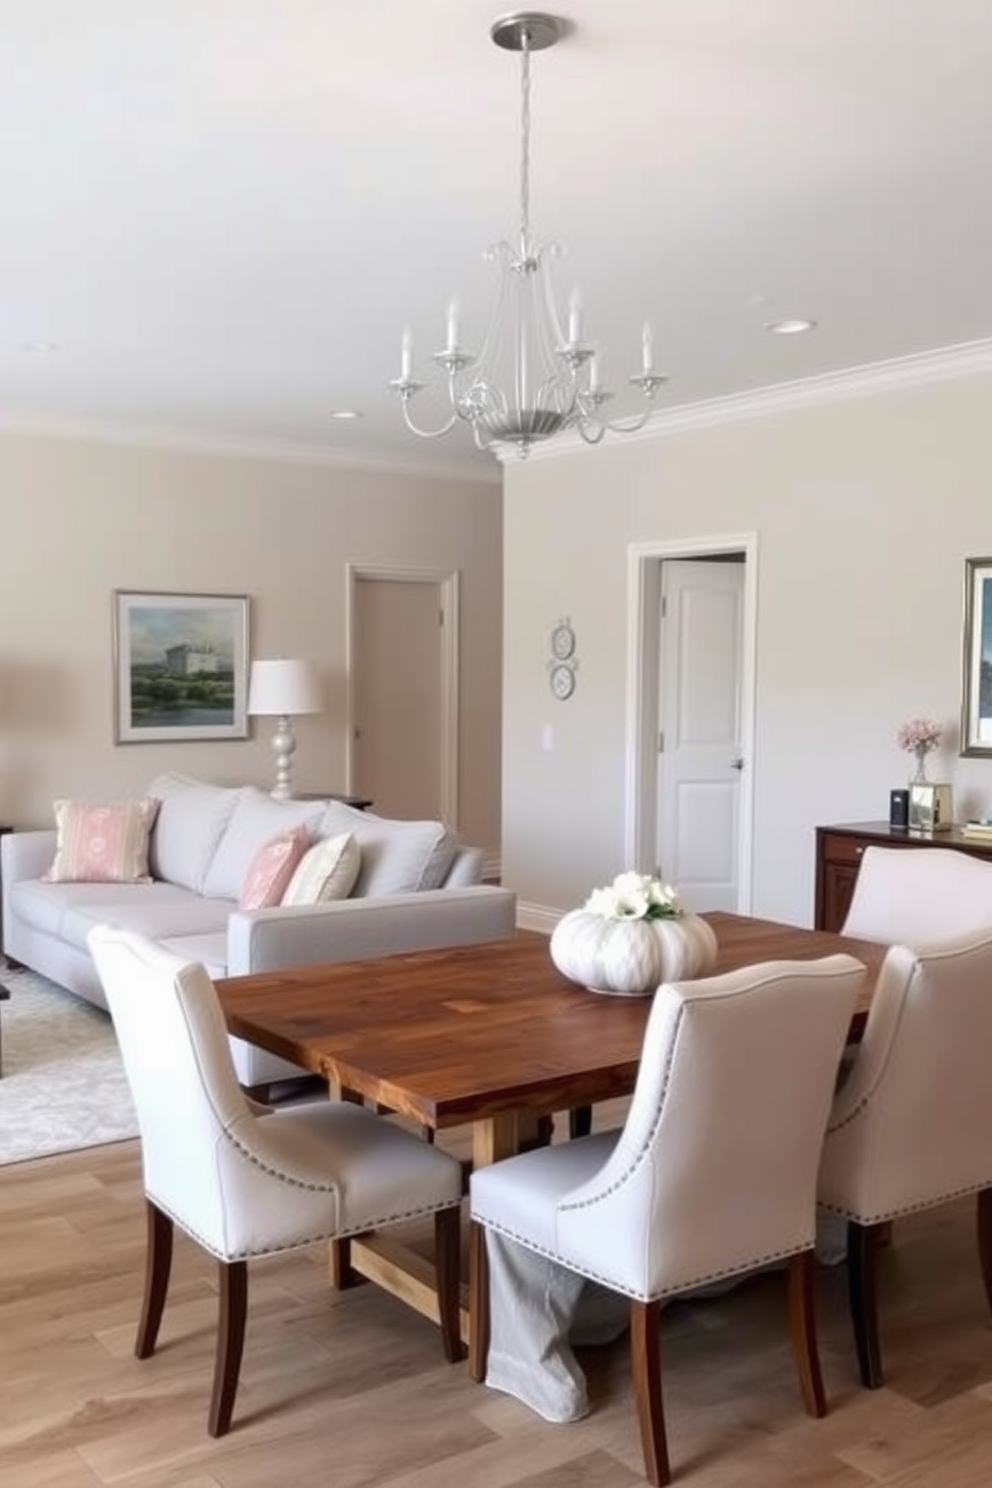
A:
(537, 917)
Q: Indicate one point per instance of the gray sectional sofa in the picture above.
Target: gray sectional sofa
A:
(419, 888)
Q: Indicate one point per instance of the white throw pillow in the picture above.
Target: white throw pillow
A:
(255, 820)
(327, 871)
(398, 857)
(192, 815)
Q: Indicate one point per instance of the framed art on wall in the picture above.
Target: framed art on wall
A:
(180, 667)
(976, 694)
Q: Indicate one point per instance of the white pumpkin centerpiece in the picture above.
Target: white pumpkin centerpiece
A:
(630, 937)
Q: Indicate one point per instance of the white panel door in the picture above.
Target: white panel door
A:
(397, 756)
(699, 767)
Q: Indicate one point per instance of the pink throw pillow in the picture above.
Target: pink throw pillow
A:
(102, 842)
(271, 869)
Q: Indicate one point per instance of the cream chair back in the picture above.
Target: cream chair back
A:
(914, 896)
(200, 1138)
(912, 1125)
(715, 1169)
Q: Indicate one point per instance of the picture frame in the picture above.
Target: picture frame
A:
(180, 666)
(976, 692)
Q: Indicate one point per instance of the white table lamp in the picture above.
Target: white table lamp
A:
(283, 689)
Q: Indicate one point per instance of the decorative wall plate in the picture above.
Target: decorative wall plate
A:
(562, 641)
(562, 681)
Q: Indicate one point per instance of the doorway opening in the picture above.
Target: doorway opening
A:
(402, 648)
(691, 640)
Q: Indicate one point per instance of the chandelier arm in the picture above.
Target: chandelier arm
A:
(626, 426)
(427, 433)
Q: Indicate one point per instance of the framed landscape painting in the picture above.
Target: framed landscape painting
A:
(976, 696)
(180, 667)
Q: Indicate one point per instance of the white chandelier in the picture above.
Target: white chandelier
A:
(529, 381)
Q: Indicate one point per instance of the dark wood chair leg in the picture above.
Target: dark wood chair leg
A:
(579, 1121)
(645, 1371)
(230, 1344)
(448, 1255)
(342, 1272)
(802, 1332)
(478, 1302)
(985, 1240)
(862, 1245)
(158, 1265)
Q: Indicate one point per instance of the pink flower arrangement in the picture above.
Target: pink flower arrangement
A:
(919, 736)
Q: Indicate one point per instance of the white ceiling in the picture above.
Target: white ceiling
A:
(224, 212)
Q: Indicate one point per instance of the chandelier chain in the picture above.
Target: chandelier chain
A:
(525, 148)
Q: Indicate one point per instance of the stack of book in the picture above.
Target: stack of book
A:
(980, 828)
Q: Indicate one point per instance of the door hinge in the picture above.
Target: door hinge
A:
(661, 743)
(664, 607)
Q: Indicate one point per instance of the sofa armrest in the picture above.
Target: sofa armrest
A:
(465, 869)
(26, 854)
(22, 855)
(358, 929)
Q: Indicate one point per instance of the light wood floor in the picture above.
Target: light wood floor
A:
(351, 1390)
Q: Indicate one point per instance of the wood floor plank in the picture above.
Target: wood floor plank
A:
(352, 1385)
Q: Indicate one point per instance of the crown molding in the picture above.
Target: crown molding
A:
(944, 364)
(153, 436)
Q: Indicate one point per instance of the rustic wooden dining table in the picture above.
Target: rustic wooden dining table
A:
(488, 1035)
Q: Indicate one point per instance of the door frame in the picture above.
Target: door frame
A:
(447, 583)
(644, 562)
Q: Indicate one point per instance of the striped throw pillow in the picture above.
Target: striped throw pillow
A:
(102, 842)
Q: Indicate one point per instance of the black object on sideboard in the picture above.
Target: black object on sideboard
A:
(839, 850)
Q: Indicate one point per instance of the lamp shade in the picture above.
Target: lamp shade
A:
(283, 688)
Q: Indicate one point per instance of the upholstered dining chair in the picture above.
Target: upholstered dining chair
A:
(912, 896)
(712, 1175)
(911, 1127)
(240, 1179)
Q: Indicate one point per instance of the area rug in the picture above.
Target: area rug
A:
(63, 1085)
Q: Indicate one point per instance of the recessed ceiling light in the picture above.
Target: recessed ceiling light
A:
(39, 348)
(790, 325)
(346, 414)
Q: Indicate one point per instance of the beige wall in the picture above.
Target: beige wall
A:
(80, 519)
(864, 513)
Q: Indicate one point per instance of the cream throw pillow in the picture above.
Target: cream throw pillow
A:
(328, 870)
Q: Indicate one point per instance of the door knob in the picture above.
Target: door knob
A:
(738, 763)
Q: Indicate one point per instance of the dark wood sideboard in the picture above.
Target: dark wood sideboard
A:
(839, 850)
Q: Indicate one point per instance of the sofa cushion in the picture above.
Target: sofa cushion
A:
(272, 867)
(209, 949)
(255, 820)
(191, 818)
(328, 870)
(190, 915)
(46, 906)
(102, 842)
(398, 857)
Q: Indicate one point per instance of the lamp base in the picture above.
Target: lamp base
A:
(284, 745)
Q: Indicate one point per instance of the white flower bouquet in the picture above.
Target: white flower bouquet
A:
(635, 896)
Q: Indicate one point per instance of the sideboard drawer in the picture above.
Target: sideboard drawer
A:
(838, 847)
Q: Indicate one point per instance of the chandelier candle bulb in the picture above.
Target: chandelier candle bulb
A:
(453, 326)
(406, 355)
(594, 382)
(574, 319)
(647, 349)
